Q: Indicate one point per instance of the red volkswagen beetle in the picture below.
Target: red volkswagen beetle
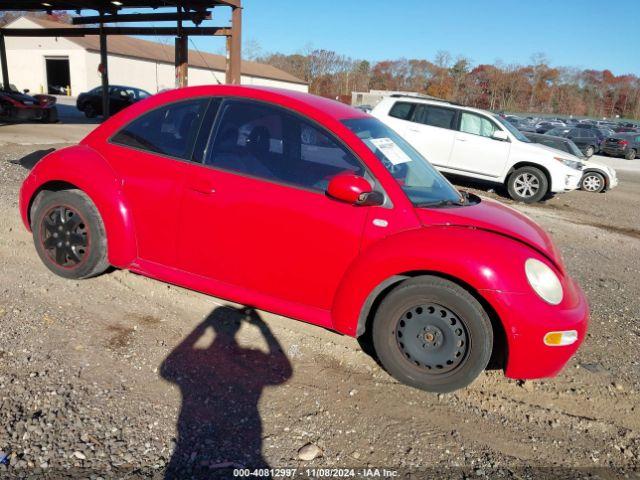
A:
(305, 207)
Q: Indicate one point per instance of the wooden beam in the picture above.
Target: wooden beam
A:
(182, 61)
(195, 17)
(82, 31)
(3, 61)
(104, 73)
(234, 48)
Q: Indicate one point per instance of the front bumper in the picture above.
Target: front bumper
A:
(572, 181)
(527, 319)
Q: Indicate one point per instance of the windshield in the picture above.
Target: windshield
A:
(513, 130)
(422, 183)
(558, 132)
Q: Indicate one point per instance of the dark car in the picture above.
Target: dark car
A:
(119, 97)
(625, 145)
(16, 106)
(599, 131)
(521, 124)
(584, 138)
(559, 143)
(545, 126)
(626, 130)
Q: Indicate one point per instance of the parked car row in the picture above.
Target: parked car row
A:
(609, 138)
(477, 144)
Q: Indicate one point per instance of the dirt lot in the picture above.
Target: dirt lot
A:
(97, 377)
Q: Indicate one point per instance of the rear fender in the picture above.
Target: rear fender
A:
(82, 167)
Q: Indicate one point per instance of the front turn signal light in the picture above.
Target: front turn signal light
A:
(561, 339)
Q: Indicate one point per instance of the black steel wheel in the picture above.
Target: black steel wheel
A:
(69, 234)
(90, 111)
(432, 334)
(432, 337)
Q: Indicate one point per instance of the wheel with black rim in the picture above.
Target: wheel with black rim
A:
(592, 182)
(528, 185)
(590, 151)
(631, 154)
(432, 334)
(69, 234)
(90, 111)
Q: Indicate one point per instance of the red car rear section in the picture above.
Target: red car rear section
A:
(307, 256)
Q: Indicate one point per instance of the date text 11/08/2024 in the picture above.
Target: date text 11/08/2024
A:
(315, 473)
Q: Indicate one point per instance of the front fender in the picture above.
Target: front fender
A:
(482, 260)
(85, 169)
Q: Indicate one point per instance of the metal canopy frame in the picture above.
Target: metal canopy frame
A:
(195, 11)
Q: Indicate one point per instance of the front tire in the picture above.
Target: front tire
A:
(89, 111)
(593, 182)
(432, 334)
(528, 185)
(631, 154)
(69, 234)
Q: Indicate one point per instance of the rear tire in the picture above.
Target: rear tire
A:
(528, 185)
(631, 154)
(431, 334)
(69, 234)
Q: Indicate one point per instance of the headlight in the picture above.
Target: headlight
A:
(570, 163)
(543, 281)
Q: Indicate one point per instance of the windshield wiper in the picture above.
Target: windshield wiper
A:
(442, 203)
(448, 203)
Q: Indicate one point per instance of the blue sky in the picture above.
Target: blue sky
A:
(576, 33)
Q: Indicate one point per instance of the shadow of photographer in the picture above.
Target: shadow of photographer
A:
(219, 426)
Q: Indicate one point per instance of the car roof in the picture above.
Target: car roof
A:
(431, 101)
(329, 107)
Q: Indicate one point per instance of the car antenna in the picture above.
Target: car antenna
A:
(205, 62)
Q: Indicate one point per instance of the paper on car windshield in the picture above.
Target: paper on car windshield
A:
(391, 150)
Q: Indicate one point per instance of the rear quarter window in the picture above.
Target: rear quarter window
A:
(401, 110)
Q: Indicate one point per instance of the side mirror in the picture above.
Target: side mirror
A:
(26, 90)
(353, 189)
(500, 135)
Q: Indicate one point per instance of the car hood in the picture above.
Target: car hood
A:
(495, 217)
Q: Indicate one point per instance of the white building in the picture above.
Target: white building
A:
(41, 63)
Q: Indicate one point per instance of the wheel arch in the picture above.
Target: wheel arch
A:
(525, 163)
(367, 313)
(82, 168)
(605, 176)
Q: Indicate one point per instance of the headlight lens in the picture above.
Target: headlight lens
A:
(570, 163)
(543, 281)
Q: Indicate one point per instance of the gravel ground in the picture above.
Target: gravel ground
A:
(97, 377)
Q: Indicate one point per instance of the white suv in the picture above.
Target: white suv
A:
(478, 144)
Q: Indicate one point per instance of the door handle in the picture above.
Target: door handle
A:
(460, 140)
(202, 185)
(414, 130)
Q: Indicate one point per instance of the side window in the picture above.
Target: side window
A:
(401, 110)
(476, 125)
(269, 143)
(434, 116)
(168, 130)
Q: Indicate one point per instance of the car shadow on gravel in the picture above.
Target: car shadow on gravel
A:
(219, 426)
(29, 161)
